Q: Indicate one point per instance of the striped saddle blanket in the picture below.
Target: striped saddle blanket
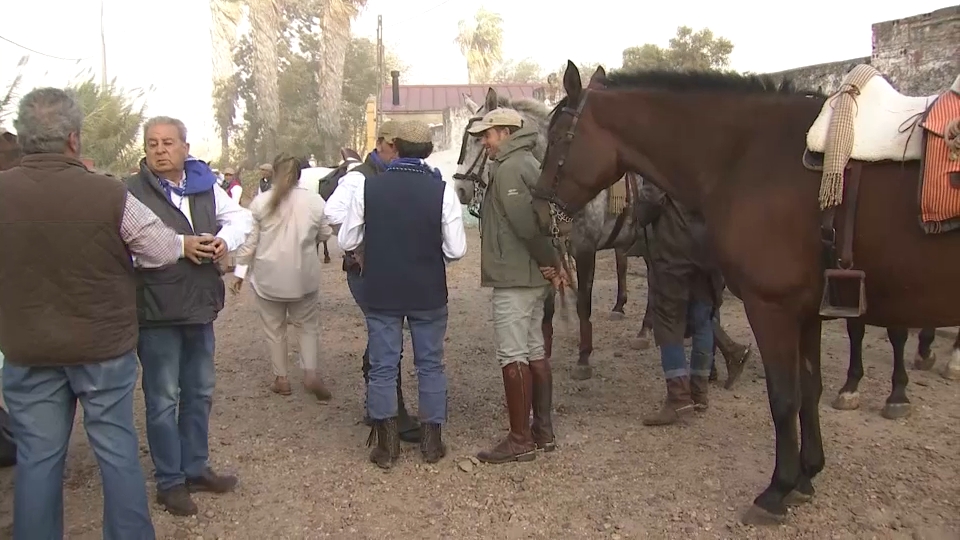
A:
(940, 165)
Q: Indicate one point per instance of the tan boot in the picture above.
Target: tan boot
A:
(677, 403)
(518, 444)
(698, 392)
(313, 384)
(281, 386)
(542, 427)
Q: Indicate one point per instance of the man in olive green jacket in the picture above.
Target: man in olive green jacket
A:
(515, 255)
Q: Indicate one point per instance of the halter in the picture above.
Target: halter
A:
(550, 195)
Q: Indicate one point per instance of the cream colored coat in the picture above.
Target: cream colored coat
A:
(281, 250)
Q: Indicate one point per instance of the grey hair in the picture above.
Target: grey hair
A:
(165, 121)
(46, 118)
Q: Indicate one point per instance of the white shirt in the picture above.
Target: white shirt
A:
(235, 193)
(338, 203)
(454, 236)
(235, 221)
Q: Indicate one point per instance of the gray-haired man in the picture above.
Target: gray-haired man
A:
(69, 330)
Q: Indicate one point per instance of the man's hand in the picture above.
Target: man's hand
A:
(560, 281)
(236, 286)
(219, 248)
(198, 249)
(549, 272)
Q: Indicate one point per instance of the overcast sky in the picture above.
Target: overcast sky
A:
(166, 45)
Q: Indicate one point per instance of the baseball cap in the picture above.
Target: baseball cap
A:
(230, 170)
(388, 130)
(500, 117)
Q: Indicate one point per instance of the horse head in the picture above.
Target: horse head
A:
(471, 166)
(10, 151)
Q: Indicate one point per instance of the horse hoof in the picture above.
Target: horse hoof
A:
(326, 260)
(796, 498)
(758, 517)
(581, 372)
(617, 315)
(894, 411)
(925, 364)
(951, 371)
(846, 401)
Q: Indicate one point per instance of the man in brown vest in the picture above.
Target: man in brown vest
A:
(68, 318)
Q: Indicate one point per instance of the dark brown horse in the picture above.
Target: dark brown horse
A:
(730, 146)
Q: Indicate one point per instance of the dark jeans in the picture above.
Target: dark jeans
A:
(42, 403)
(178, 377)
(385, 337)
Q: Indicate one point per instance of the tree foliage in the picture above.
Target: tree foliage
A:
(481, 42)
(298, 50)
(688, 50)
(111, 125)
(522, 72)
(10, 95)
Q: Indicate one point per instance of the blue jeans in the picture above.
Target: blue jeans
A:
(178, 377)
(385, 338)
(672, 358)
(42, 403)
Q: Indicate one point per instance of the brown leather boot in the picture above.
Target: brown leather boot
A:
(518, 444)
(698, 392)
(313, 384)
(735, 355)
(387, 450)
(677, 403)
(542, 427)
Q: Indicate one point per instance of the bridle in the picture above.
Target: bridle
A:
(563, 147)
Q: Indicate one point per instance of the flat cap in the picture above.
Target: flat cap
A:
(266, 167)
(414, 131)
(230, 170)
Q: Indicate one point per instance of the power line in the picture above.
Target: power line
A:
(14, 43)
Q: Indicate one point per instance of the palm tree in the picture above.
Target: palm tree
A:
(8, 97)
(481, 42)
(226, 16)
(335, 19)
(265, 31)
(111, 124)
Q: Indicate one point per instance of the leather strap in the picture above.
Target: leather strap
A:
(844, 258)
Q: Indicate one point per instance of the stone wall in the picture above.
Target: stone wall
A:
(920, 55)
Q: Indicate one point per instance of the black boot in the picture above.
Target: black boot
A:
(366, 384)
(387, 449)
(408, 426)
(432, 447)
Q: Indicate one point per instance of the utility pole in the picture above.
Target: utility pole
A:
(380, 72)
(103, 52)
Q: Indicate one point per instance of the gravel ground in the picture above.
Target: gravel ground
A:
(304, 470)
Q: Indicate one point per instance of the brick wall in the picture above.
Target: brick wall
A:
(920, 55)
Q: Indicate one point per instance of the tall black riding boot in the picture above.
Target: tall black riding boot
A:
(366, 383)
(408, 426)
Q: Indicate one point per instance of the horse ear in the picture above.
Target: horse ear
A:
(572, 83)
(599, 76)
(491, 102)
(470, 103)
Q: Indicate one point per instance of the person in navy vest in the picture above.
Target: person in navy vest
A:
(411, 224)
(176, 307)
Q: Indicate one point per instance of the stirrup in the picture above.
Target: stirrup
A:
(839, 276)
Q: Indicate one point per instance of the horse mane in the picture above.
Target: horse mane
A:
(698, 81)
(533, 110)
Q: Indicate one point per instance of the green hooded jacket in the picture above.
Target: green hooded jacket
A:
(513, 246)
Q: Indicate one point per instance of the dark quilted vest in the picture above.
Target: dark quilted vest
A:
(184, 292)
(67, 287)
(403, 266)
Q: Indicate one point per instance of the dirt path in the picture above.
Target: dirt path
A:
(305, 473)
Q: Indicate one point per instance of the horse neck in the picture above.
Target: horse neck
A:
(688, 143)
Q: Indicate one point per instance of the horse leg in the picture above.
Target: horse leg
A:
(926, 358)
(778, 338)
(645, 336)
(326, 253)
(621, 257)
(897, 405)
(546, 325)
(951, 371)
(849, 397)
(586, 265)
(811, 388)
